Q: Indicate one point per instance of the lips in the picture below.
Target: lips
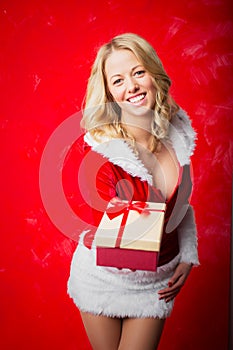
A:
(137, 98)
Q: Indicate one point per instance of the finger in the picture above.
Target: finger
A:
(163, 296)
(169, 299)
(169, 294)
(179, 282)
(174, 279)
(182, 271)
(169, 289)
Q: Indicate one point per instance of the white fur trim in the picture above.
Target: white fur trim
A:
(119, 152)
(181, 136)
(117, 293)
(187, 235)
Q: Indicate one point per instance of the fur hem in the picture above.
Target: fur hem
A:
(118, 314)
(117, 293)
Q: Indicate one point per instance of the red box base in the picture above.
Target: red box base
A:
(127, 258)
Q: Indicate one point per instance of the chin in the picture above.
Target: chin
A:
(142, 111)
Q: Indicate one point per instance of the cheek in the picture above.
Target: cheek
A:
(116, 94)
(153, 96)
(151, 86)
(153, 91)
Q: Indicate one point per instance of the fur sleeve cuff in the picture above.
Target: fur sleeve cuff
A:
(187, 235)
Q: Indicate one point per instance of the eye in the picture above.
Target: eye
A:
(139, 73)
(117, 81)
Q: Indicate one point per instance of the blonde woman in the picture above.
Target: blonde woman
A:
(138, 142)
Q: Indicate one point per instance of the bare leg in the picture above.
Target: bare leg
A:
(141, 333)
(103, 332)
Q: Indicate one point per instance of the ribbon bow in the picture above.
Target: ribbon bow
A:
(124, 208)
(121, 208)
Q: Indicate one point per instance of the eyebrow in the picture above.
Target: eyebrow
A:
(118, 74)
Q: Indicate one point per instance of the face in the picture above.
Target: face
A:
(129, 83)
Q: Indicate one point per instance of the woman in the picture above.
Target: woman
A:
(138, 144)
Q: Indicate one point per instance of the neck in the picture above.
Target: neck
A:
(139, 128)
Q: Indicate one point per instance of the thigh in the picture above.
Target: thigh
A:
(141, 333)
(103, 332)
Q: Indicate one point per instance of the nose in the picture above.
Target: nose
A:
(132, 85)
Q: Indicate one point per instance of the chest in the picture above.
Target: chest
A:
(164, 168)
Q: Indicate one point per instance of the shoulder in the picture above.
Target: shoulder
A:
(182, 136)
(119, 153)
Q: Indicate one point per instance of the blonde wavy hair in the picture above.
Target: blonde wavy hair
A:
(102, 116)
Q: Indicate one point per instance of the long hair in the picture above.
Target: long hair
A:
(102, 116)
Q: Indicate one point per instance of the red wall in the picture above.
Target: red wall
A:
(46, 51)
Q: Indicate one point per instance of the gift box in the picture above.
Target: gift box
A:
(129, 235)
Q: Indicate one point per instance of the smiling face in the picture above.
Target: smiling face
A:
(129, 83)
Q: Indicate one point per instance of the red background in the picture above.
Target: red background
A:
(47, 48)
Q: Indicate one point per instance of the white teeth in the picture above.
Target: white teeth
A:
(137, 98)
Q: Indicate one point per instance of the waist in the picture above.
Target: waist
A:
(169, 247)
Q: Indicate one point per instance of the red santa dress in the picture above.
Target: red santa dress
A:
(111, 168)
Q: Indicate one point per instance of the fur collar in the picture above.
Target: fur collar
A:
(181, 136)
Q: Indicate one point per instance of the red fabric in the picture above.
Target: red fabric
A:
(130, 258)
(90, 181)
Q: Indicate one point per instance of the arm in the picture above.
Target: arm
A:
(88, 185)
(183, 138)
(187, 235)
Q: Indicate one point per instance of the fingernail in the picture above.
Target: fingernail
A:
(169, 284)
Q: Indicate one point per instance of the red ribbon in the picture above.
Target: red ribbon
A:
(124, 208)
(121, 208)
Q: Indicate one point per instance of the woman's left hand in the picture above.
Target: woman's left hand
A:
(176, 282)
